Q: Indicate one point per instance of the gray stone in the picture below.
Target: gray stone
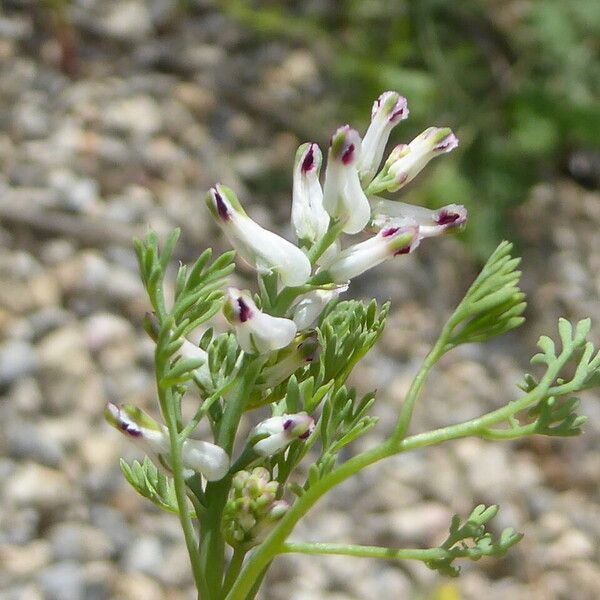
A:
(145, 554)
(26, 441)
(79, 542)
(35, 485)
(62, 581)
(19, 527)
(17, 359)
(112, 523)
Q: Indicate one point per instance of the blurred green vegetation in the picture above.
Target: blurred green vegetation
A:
(518, 80)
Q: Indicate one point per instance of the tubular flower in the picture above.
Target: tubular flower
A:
(308, 309)
(198, 456)
(303, 351)
(281, 431)
(400, 238)
(343, 197)
(431, 222)
(407, 161)
(256, 331)
(309, 218)
(388, 110)
(262, 249)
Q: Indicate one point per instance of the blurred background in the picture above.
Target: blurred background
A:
(117, 115)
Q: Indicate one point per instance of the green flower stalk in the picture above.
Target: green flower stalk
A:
(289, 349)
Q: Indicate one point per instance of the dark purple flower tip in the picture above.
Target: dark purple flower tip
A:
(451, 216)
(130, 429)
(222, 209)
(289, 424)
(305, 434)
(344, 143)
(400, 111)
(309, 160)
(447, 144)
(389, 231)
(348, 154)
(445, 217)
(245, 310)
(405, 250)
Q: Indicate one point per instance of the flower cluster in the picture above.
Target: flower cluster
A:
(291, 347)
(348, 202)
(252, 508)
(317, 270)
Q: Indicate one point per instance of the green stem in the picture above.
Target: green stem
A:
(286, 297)
(237, 560)
(254, 590)
(166, 406)
(212, 548)
(414, 392)
(332, 234)
(364, 551)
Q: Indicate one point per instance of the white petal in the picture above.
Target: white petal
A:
(272, 425)
(357, 259)
(267, 251)
(357, 204)
(209, 459)
(262, 249)
(272, 444)
(190, 350)
(308, 310)
(309, 218)
(270, 333)
(388, 110)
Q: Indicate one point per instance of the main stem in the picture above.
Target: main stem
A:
(212, 546)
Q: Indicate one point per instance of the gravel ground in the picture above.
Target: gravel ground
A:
(152, 109)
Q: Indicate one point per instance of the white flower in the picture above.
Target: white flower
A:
(431, 222)
(304, 350)
(262, 249)
(309, 218)
(198, 456)
(343, 197)
(308, 309)
(281, 432)
(400, 238)
(209, 459)
(406, 162)
(388, 110)
(256, 331)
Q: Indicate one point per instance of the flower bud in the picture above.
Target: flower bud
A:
(151, 437)
(388, 110)
(256, 331)
(303, 350)
(431, 222)
(309, 218)
(262, 249)
(251, 508)
(281, 432)
(343, 197)
(308, 309)
(406, 162)
(391, 241)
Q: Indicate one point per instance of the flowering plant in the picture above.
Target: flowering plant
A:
(291, 347)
